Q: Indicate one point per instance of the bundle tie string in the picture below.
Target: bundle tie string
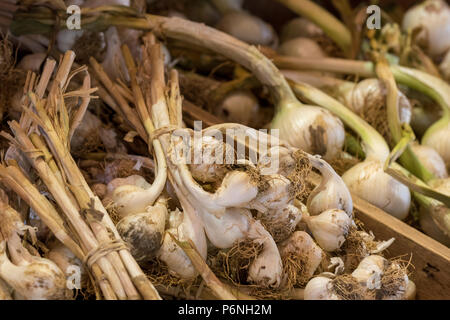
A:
(102, 250)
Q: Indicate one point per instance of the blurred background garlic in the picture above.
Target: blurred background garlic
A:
(300, 27)
(302, 48)
(431, 160)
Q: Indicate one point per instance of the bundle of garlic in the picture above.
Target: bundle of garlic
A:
(248, 216)
(81, 223)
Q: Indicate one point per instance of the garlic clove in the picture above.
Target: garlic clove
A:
(391, 196)
(431, 160)
(330, 228)
(320, 288)
(276, 194)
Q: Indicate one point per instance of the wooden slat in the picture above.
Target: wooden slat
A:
(193, 112)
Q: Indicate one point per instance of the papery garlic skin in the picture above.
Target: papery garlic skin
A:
(330, 228)
(444, 66)
(438, 140)
(369, 181)
(331, 193)
(300, 27)
(311, 129)
(320, 288)
(240, 106)
(431, 160)
(430, 228)
(247, 28)
(275, 196)
(433, 16)
(302, 48)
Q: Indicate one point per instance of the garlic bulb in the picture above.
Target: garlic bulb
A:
(438, 140)
(302, 48)
(228, 5)
(210, 167)
(267, 268)
(311, 129)
(330, 228)
(65, 260)
(143, 232)
(331, 193)
(302, 248)
(202, 11)
(224, 231)
(130, 195)
(431, 160)
(114, 63)
(433, 16)
(391, 195)
(370, 271)
(183, 225)
(430, 228)
(363, 96)
(240, 106)
(247, 28)
(320, 288)
(300, 27)
(32, 62)
(275, 196)
(34, 278)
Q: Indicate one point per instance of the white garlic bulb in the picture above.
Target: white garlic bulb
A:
(247, 28)
(66, 39)
(431, 160)
(275, 196)
(360, 96)
(300, 27)
(311, 129)
(370, 271)
(143, 232)
(266, 269)
(240, 106)
(438, 139)
(302, 48)
(320, 288)
(330, 228)
(34, 278)
(391, 195)
(184, 225)
(301, 245)
(430, 228)
(331, 193)
(433, 16)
